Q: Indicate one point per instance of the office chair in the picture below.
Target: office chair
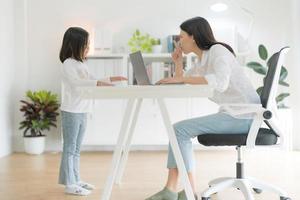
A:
(262, 113)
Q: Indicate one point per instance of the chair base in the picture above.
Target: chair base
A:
(245, 185)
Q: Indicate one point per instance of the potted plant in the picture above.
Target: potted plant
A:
(284, 112)
(157, 47)
(141, 42)
(40, 113)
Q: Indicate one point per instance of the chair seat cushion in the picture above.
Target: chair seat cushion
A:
(265, 137)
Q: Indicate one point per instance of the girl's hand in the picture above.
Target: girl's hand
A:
(118, 78)
(101, 83)
(170, 80)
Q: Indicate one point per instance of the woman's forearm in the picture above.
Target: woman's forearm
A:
(178, 70)
(195, 80)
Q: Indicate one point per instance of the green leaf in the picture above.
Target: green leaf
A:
(137, 32)
(30, 95)
(253, 65)
(283, 73)
(283, 83)
(257, 67)
(282, 96)
(259, 90)
(282, 106)
(260, 70)
(130, 43)
(263, 53)
(153, 41)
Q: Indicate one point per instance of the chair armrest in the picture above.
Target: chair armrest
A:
(241, 109)
(259, 115)
(255, 126)
(242, 104)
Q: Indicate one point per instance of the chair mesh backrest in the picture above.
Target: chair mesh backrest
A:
(268, 81)
(269, 84)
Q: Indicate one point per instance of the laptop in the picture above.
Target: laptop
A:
(139, 69)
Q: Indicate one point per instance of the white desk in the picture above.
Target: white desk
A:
(135, 96)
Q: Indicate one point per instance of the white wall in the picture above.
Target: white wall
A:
(21, 65)
(6, 75)
(47, 21)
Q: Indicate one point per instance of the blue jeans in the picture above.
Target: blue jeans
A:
(218, 123)
(73, 127)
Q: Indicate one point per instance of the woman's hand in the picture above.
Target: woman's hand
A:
(170, 80)
(101, 83)
(178, 60)
(177, 54)
(118, 78)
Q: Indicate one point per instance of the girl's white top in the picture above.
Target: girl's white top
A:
(74, 75)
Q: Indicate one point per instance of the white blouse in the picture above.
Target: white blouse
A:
(74, 75)
(223, 73)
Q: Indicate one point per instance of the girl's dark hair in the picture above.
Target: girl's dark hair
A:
(200, 29)
(74, 43)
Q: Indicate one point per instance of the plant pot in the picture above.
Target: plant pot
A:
(34, 145)
(156, 48)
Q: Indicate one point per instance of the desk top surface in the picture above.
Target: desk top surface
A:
(147, 91)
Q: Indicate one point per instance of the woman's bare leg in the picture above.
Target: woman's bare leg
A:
(172, 181)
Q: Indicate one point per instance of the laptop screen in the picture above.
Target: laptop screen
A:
(139, 68)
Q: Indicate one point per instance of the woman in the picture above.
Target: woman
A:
(74, 108)
(219, 69)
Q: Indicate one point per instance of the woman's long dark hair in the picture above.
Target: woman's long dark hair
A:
(200, 29)
(74, 44)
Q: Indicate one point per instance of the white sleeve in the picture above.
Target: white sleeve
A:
(220, 77)
(107, 79)
(72, 75)
(194, 71)
(190, 72)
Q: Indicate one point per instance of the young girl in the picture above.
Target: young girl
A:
(74, 109)
(219, 69)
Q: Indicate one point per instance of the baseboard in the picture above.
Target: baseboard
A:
(110, 148)
(147, 148)
(7, 153)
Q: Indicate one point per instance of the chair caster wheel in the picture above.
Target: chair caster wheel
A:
(205, 198)
(285, 198)
(257, 191)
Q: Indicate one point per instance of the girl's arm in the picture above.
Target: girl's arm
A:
(108, 81)
(105, 80)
